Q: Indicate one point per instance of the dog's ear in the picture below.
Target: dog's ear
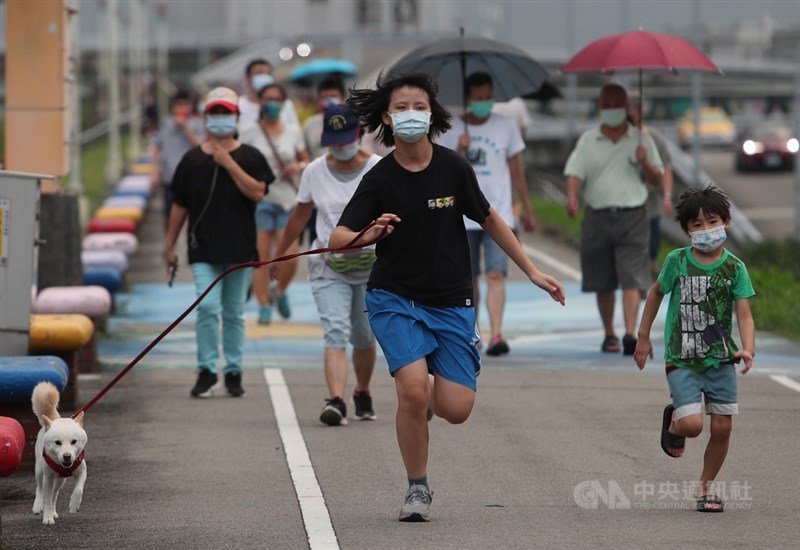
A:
(79, 419)
(47, 422)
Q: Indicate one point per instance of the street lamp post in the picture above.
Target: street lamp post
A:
(114, 166)
(797, 154)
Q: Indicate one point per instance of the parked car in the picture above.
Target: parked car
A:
(716, 128)
(766, 146)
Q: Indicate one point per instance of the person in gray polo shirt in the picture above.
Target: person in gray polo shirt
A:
(609, 163)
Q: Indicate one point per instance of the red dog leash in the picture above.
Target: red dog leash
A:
(176, 322)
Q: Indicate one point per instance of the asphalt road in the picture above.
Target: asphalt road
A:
(560, 452)
(766, 198)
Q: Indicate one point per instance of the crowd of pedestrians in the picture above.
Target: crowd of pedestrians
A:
(247, 178)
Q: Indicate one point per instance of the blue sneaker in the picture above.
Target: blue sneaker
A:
(264, 315)
(283, 306)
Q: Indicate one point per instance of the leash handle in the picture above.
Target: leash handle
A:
(349, 246)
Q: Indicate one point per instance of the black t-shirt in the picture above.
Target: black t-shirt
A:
(226, 232)
(426, 258)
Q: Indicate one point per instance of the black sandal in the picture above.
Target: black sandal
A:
(710, 503)
(610, 345)
(670, 440)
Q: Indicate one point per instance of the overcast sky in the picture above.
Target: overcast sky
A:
(546, 22)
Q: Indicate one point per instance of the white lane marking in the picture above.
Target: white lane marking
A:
(786, 381)
(316, 518)
(547, 259)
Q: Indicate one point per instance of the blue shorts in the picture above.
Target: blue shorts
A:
(446, 336)
(341, 309)
(271, 217)
(495, 259)
(717, 384)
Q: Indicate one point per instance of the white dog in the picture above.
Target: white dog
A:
(59, 453)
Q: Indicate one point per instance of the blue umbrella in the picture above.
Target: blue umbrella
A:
(320, 68)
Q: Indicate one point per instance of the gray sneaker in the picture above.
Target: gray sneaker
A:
(417, 506)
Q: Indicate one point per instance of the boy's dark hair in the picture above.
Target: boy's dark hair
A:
(477, 79)
(711, 199)
(280, 88)
(182, 95)
(254, 62)
(369, 105)
(332, 83)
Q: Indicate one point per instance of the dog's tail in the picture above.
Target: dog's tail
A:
(45, 401)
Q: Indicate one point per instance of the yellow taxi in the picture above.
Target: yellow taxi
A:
(716, 128)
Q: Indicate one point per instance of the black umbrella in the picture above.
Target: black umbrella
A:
(450, 60)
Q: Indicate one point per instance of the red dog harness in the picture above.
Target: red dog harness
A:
(59, 469)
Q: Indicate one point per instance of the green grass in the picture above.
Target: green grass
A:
(773, 265)
(775, 272)
(93, 167)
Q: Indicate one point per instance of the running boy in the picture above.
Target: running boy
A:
(419, 294)
(706, 283)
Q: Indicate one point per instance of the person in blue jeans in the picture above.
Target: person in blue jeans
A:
(419, 294)
(216, 188)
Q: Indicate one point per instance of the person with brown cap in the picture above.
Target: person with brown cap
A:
(216, 188)
(338, 281)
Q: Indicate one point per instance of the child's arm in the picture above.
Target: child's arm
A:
(644, 348)
(747, 332)
(505, 239)
(343, 235)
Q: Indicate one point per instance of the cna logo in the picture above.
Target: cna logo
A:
(441, 202)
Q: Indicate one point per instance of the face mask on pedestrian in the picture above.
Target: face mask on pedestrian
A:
(260, 81)
(221, 125)
(613, 117)
(709, 240)
(481, 109)
(271, 110)
(410, 125)
(344, 152)
(326, 102)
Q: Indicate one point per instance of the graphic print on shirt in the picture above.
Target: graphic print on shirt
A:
(442, 202)
(701, 333)
(477, 154)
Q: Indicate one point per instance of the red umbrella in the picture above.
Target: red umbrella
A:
(639, 51)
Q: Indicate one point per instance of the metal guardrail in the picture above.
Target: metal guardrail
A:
(742, 230)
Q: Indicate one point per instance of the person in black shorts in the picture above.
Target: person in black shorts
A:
(419, 294)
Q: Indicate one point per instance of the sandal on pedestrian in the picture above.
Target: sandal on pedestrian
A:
(710, 503)
(628, 344)
(670, 440)
(610, 344)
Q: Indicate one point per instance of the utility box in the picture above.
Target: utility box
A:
(19, 238)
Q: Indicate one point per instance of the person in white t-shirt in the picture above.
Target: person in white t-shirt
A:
(258, 74)
(338, 281)
(283, 146)
(493, 145)
(515, 109)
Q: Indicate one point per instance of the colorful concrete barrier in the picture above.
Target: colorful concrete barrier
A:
(107, 277)
(111, 225)
(119, 212)
(117, 259)
(126, 242)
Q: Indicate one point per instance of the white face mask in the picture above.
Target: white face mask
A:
(344, 152)
(710, 239)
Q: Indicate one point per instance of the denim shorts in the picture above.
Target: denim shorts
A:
(271, 217)
(407, 331)
(494, 258)
(342, 311)
(717, 384)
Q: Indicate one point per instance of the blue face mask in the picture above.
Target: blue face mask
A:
(344, 152)
(260, 81)
(411, 125)
(481, 109)
(221, 125)
(271, 110)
